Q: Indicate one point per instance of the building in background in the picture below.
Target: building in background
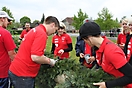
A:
(68, 22)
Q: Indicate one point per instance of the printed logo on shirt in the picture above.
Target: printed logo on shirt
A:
(63, 38)
(56, 39)
(56, 45)
(34, 30)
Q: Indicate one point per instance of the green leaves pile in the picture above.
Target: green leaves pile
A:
(72, 74)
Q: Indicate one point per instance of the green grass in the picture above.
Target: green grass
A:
(72, 53)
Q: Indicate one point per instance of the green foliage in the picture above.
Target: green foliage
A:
(75, 75)
(24, 20)
(17, 42)
(105, 20)
(42, 19)
(78, 20)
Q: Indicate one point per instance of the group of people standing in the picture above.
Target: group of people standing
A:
(22, 67)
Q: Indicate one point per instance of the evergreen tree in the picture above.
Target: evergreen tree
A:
(42, 19)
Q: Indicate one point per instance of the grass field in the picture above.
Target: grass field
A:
(72, 53)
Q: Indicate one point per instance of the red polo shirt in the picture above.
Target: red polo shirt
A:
(33, 43)
(6, 44)
(61, 43)
(121, 38)
(24, 32)
(111, 57)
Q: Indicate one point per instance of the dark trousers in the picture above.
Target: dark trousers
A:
(21, 82)
(4, 82)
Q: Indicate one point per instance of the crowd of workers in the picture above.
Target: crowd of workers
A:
(92, 47)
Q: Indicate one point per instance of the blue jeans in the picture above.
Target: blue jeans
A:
(4, 82)
(21, 82)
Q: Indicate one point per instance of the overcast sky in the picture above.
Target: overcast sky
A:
(66, 8)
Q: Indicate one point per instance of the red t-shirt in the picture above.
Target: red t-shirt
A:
(121, 38)
(34, 43)
(6, 44)
(111, 57)
(24, 32)
(61, 43)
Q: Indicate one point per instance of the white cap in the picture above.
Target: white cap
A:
(4, 14)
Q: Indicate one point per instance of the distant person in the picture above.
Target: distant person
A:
(25, 67)
(108, 55)
(121, 39)
(7, 49)
(25, 31)
(128, 43)
(61, 43)
(83, 49)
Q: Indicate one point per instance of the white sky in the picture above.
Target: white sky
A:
(66, 8)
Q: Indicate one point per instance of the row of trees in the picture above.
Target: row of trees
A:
(105, 19)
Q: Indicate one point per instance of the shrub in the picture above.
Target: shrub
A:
(69, 74)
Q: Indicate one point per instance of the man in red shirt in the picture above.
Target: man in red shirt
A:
(30, 56)
(7, 47)
(25, 31)
(108, 55)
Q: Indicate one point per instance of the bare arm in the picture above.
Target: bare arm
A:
(12, 54)
(42, 60)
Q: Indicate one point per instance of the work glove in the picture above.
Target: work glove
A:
(52, 62)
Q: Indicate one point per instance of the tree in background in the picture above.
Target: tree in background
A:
(8, 12)
(78, 20)
(35, 23)
(24, 20)
(105, 20)
(42, 19)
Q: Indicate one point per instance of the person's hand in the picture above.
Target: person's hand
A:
(61, 51)
(52, 62)
(91, 59)
(81, 55)
(100, 84)
(122, 45)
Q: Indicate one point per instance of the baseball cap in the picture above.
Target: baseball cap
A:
(87, 20)
(89, 28)
(4, 14)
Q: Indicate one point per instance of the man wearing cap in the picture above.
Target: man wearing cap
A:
(108, 55)
(7, 47)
